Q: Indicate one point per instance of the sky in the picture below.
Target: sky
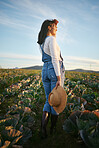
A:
(77, 33)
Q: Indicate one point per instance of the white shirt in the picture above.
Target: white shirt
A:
(51, 48)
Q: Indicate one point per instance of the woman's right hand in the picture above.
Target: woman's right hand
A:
(58, 83)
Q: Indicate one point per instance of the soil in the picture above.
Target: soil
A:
(60, 139)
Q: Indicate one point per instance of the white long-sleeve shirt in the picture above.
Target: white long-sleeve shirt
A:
(51, 48)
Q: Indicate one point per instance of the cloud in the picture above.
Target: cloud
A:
(30, 7)
(27, 11)
(25, 14)
(19, 56)
(95, 7)
(73, 62)
(11, 60)
(70, 62)
(7, 5)
(82, 60)
(12, 22)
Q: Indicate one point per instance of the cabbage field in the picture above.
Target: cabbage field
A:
(21, 102)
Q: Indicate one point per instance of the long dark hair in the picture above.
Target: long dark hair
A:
(44, 30)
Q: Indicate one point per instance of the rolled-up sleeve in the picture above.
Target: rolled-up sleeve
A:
(54, 55)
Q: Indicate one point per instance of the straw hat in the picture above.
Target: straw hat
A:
(58, 99)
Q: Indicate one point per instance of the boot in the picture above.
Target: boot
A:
(53, 123)
(45, 119)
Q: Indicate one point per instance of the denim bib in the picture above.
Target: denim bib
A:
(48, 58)
(45, 57)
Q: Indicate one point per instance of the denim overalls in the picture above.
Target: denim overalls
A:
(49, 78)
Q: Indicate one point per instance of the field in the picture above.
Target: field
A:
(21, 102)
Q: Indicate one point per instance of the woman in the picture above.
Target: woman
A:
(52, 71)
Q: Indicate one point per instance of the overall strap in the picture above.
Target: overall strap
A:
(42, 47)
(61, 56)
(43, 44)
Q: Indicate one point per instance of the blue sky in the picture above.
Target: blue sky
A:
(77, 35)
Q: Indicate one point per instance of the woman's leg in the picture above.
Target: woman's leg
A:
(45, 119)
(46, 109)
(53, 123)
(54, 115)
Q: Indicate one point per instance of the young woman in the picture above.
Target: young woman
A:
(52, 71)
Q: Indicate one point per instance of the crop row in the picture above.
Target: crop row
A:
(16, 124)
(28, 95)
(89, 79)
(82, 113)
(10, 76)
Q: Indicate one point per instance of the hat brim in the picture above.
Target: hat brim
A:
(63, 97)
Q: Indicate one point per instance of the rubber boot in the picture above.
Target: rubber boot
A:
(53, 123)
(45, 119)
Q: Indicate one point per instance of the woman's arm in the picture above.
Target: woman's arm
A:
(54, 55)
(55, 59)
